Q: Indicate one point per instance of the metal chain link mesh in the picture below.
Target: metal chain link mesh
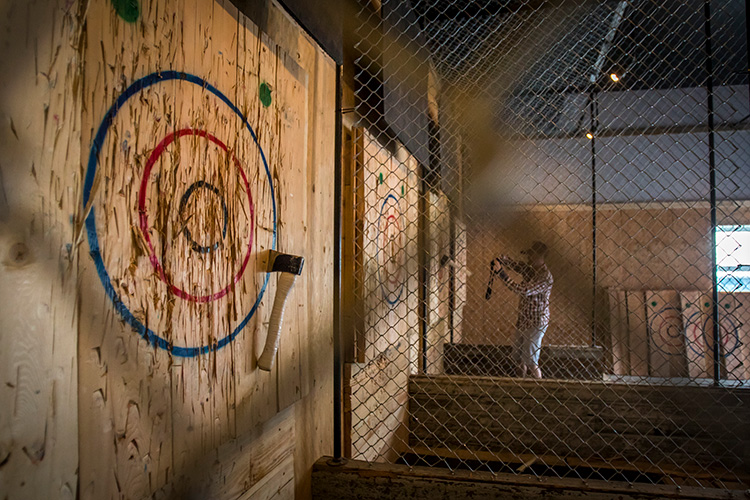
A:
(616, 133)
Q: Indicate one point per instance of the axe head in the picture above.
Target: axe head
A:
(284, 263)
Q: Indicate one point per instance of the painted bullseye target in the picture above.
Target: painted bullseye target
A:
(180, 201)
(391, 253)
(698, 334)
(197, 247)
(144, 223)
(666, 324)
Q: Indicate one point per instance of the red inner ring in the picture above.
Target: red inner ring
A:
(394, 278)
(143, 216)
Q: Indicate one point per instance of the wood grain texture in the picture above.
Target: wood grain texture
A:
(40, 99)
(375, 397)
(160, 422)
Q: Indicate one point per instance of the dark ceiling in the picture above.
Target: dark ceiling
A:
(655, 44)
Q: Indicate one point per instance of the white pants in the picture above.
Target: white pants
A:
(528, 344)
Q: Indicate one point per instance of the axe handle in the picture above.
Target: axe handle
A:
(488, 293)
(284, 286)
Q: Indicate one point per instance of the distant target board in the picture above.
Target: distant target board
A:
(391, 252)
(181, 199)
(699, 331)
(666, 330)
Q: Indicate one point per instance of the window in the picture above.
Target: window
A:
(733, 258)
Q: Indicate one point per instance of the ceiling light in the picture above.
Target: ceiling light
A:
(614, 77)
(589, 135)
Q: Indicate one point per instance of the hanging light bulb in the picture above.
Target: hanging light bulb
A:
(614, 77)
(589, 135)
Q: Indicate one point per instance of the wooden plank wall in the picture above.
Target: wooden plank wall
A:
(146, 341)
(691, 432)
(667, 333)
(439, 276)
(40, 98)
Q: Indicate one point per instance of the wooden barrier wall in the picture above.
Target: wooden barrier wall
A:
(173, 144)
(687, 432)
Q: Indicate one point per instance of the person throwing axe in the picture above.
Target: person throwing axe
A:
(533, 306)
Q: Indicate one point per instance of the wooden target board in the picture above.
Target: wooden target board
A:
(389, 248)
(209, 145)
(188, 279)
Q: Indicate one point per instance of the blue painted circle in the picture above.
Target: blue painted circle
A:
(386, 294)
(120, 307)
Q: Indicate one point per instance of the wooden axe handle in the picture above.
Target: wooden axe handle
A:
(284, 286)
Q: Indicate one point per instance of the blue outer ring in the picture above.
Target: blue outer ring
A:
(136, 87)
(377, 254)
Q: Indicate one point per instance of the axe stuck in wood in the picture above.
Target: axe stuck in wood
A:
(290, 266)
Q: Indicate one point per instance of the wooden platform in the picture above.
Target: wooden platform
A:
(561, 362)
(371, 481)
(688, 432)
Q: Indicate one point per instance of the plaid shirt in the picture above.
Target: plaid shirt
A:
(534, 289)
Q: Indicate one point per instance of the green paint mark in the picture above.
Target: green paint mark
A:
(402, 190)
(381, 177)
(265, 94)
(653, 303)
(706, 304)
(129, 10)
(727, 306)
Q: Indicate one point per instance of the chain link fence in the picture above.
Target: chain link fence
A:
(617, 134)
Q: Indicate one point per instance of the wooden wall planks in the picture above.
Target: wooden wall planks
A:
(438, 287)
(669, 334)
(40, 131)
(150, 419)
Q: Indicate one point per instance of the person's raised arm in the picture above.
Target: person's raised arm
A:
(539, 284)
(513, 265)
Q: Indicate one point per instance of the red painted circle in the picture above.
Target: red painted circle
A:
(393, 276)
(143, 216)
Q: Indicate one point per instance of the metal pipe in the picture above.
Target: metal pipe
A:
(594, 110)
(422, 240)
(747, 44)
(712, 182)
(338, 358)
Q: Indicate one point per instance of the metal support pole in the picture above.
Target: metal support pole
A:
(747, 44)
(338, 358)
(594, 110)
(712, 182)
